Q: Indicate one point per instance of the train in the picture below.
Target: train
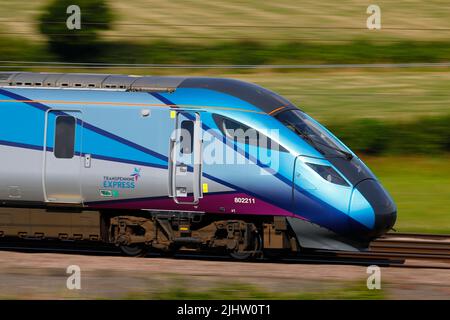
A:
(165, 163)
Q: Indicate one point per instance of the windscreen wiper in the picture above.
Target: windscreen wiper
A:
(347, 155)
(306, 137)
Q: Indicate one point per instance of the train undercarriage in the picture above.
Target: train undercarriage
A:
(137, 232)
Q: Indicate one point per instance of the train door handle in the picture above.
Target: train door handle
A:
(87, 160)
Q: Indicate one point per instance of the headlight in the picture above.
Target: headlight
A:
(328, 173)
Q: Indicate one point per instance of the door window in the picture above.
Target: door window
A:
(64, 137)
(187, 137)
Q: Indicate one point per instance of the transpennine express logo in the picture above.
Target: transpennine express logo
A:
(136, 174)
(119, 182)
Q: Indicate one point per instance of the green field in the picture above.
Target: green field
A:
(420, 187)
(170, 19)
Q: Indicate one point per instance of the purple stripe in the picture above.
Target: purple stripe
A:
(123, 201)
(211, 203)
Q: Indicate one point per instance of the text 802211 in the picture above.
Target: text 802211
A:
(244, 200)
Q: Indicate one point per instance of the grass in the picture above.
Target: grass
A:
(247, 32)
(242, 291)
(402, 15)
(420, 187)
(423, 136)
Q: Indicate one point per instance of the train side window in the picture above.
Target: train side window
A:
(240, 132)
(187, 137)
(64, 137)
(237, 131)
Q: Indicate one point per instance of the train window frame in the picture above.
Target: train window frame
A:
(64, 142)
(253, 139)
(220, 122)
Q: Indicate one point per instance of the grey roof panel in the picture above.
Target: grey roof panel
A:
(157, 82)
(29, 79)
(5, 77)
(80, 80)
(87, 80)
(119, 81)
(262, 98)
(51, 79)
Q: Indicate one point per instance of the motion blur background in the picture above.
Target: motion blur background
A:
(395, 116)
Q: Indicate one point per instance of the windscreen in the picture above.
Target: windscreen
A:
(313, 133)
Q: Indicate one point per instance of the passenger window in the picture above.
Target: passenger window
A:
(64, 137)
(187, 137)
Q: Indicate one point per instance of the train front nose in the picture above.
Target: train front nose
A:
(384, 208)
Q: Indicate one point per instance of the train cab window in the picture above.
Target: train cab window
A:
(236, 131)
(240, 132)
(187, 136)
(64, 137)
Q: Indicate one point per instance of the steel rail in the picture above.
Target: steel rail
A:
(428, 236)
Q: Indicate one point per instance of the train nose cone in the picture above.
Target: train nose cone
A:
(382, 204)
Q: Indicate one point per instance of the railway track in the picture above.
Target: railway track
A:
(392, 250)
(413, 245)
(428, 248)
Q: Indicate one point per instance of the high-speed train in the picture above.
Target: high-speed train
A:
(163, 163)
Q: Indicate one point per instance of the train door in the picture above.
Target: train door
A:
(62, 160)
(185, 159)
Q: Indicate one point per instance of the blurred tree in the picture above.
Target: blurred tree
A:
(75, 44)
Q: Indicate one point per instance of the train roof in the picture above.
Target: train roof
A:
(260, 97)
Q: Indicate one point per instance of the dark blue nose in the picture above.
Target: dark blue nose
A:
(382, 204)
